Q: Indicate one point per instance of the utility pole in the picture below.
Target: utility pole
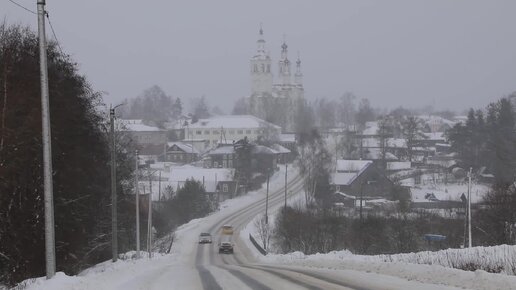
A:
(361, 202)
(114, 238)
(114, 202)
(267, 200)
(469, 207)
(149, 220)
(286, 170)
(137, 189)
(47, 147)
(159, 188)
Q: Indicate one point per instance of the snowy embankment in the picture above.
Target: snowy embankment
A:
(412, 266)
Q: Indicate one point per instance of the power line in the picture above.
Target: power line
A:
(49, 22)
(54, 33)
(23, 7)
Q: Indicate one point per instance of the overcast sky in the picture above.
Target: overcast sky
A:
(448, 53)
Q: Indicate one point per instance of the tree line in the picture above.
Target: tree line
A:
(81, 167)
(488, 140)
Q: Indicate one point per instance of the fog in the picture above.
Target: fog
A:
(449, 54)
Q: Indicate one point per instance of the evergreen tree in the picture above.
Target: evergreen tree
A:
(177, 109)
(241, 107)
(80, 155)
(201, 110)
(365, 112)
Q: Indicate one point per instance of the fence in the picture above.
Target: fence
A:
(258, 247)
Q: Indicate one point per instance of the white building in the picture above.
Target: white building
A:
(226, 129)
(275, 101)
(143, 134)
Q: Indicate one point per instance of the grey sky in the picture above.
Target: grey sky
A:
(449, 53)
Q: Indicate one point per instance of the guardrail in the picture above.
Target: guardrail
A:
(258, 247)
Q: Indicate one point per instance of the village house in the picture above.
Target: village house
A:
(221, 157)
(361, 178)
(151, 142)
(182, 153)
(218, 182)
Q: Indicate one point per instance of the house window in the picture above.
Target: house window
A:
(215, 164)
(248, 131)
(206, 132)
(224, 163)
(225, 187)
(198, 132)
(230, 164)
(337, 187)
(215, 132)
(240, 132)
(231, 131)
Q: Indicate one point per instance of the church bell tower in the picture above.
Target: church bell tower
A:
(261, 74)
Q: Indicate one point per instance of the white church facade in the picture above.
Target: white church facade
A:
(275, 101)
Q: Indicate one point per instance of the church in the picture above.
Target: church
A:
(275, 101)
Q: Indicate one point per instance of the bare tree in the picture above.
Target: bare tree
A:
(264, 230)
(412, 130)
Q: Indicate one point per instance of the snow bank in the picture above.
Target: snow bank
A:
(497, 259)
(426, 267)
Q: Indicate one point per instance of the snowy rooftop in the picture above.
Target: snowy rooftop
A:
(432, 119)
(280, 149)
(188, 148)
(287, 137)
(352, 165)
(136, 125)
(260, 149)
(222, 150)
(349, 170)
(232, 121)
(210, 176)
(435, 136)
(376, 153)
(371, 128)
(389, 142)
(398, 165)
(340, 178)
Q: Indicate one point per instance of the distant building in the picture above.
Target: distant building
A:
(143, 134)
(215, 180)
(226, 129)
(221, 157)
(361, 178)
(151, 142)
(275, 101)
(180, 152)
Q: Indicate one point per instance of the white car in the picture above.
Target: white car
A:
(205, 238)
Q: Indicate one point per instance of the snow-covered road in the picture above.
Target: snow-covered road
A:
(199, 266)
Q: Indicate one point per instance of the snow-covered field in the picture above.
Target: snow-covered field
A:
(451, 191)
